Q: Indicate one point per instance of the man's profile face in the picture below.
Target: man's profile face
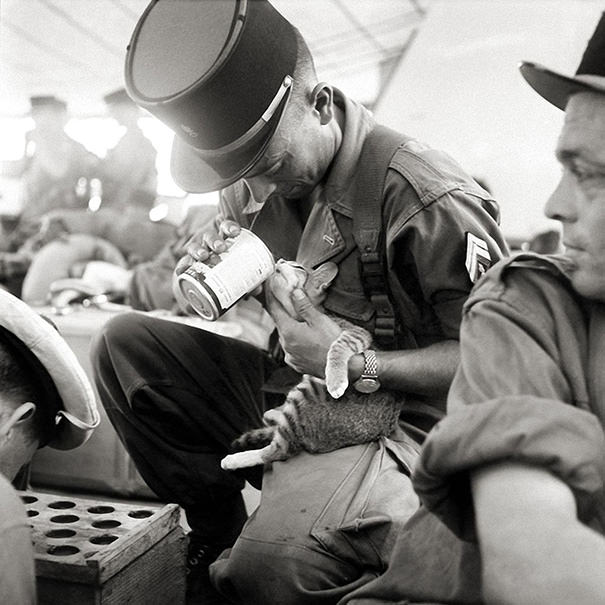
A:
(579, 200)
(295, 161)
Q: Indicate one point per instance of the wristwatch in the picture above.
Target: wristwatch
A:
(368, 381)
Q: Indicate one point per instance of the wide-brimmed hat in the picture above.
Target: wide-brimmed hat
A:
(219, 74)
(54, 369)
(590, 75)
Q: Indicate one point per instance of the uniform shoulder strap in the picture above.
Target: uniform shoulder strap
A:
(378, 150)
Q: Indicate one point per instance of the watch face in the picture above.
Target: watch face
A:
(367, 385)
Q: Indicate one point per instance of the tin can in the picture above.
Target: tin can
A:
(245, 265)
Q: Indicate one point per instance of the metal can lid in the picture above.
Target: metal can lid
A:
(197, 296)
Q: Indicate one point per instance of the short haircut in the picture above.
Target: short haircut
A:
(23, 378)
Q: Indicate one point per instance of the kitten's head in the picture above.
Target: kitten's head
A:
(290, 275)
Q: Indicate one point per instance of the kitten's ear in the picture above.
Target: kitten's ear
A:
(322, 277)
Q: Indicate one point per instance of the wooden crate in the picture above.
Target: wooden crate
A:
(106, 553)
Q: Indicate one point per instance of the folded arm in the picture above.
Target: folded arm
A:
(533, 548)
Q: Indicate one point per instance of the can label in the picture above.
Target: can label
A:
(245, 265)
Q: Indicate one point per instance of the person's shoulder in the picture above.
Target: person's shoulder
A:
(544, 265)
(432, 173)
(525, 275)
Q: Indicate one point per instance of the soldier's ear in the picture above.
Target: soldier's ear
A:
(24, 412)
(322, 98)
(321, 278)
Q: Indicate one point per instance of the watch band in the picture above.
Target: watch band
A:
(368, 381)
(370, 368)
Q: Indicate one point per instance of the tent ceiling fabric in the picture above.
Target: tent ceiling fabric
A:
(75, 48)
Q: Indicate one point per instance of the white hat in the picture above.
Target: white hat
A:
(77, 415)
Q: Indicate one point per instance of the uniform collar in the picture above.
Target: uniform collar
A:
(358, 124)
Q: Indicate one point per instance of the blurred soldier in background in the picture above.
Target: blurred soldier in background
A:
(45, 399)
(128, 172)
(55, 172)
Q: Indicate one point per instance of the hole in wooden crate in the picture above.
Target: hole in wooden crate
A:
(64, 519)
(32, 513)
(29, 499)
(62, 550)
(106, 524)
(60, 533)
(104, 539)
(100, 510)
(140, 514)
(61, 504)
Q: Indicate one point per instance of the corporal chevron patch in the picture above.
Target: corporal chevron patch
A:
(478, 259)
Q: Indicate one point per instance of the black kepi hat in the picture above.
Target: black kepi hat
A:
(590, 75)
(219, 74)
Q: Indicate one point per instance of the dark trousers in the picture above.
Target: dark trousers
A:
(178, 396)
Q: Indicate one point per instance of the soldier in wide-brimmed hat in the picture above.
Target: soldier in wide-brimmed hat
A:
(46, 399)
(310, 172)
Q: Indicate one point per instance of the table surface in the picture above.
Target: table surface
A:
(82, 320)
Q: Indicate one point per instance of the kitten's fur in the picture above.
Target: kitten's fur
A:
(313, 417)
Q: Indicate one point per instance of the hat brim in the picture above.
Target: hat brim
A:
(557, 88)
(195, 171)
(79, 415)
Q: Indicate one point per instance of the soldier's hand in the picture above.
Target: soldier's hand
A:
(305, 343)
(206, 246)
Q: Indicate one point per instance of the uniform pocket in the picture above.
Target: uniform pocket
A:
(370, 506)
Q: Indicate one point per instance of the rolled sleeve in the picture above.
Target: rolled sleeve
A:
(520, 394)
(557, 437)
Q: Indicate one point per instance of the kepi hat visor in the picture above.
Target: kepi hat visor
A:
(193, 169)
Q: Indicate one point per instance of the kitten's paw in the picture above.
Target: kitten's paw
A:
(336, 383)
(241, 460)
(337, 389)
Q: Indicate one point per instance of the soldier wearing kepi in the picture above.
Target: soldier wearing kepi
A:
(308, 171)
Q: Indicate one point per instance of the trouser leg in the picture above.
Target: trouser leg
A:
(177, 397)
(326, 525)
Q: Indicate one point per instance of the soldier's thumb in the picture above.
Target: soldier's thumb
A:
(303, 306)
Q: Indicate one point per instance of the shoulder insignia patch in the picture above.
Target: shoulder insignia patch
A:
(478, 259)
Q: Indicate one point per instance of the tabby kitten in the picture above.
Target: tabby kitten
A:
(315, 416)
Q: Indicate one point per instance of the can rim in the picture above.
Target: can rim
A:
(200, 291)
